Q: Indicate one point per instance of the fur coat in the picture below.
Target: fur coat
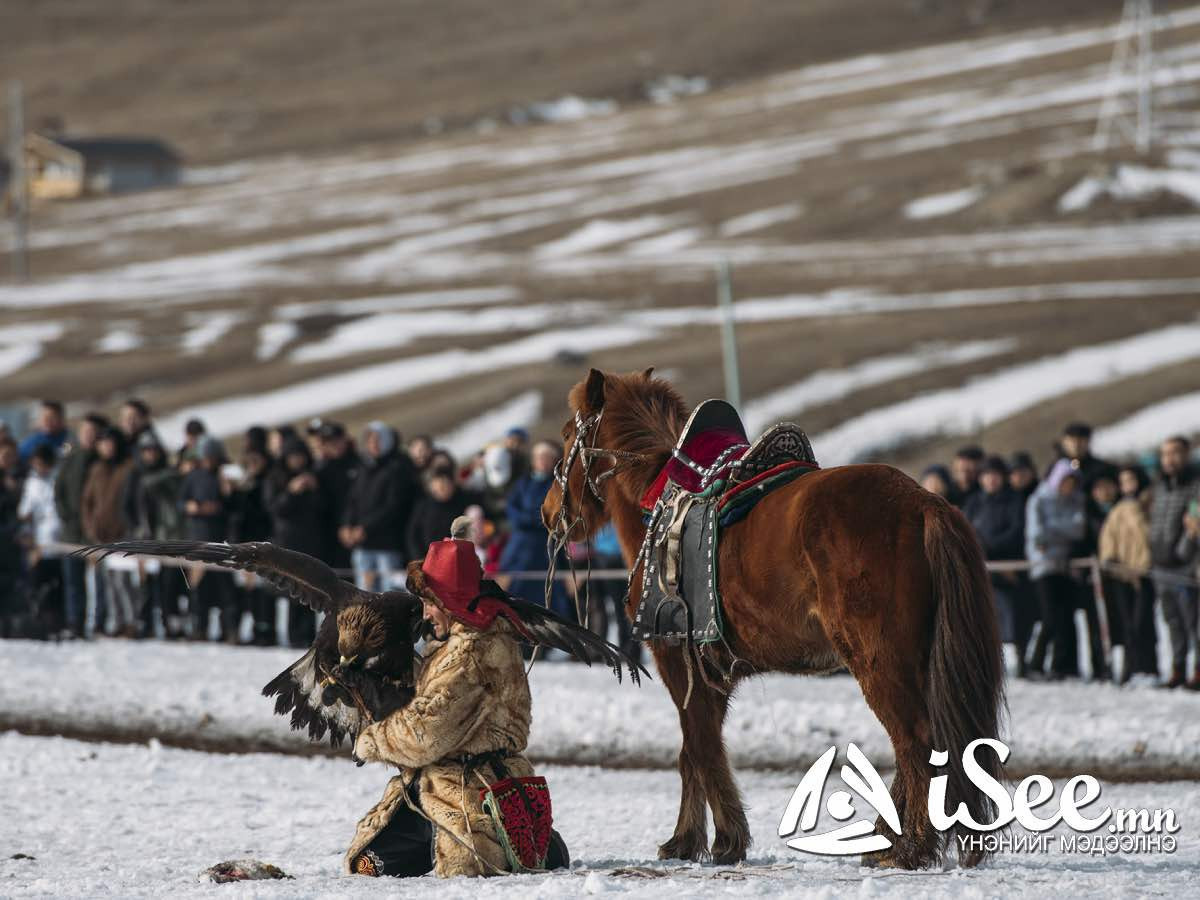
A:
(472, 697)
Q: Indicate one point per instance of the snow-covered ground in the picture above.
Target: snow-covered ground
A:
(142, 821)
(207, 696)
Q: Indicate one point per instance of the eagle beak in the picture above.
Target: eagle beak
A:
(346, 661)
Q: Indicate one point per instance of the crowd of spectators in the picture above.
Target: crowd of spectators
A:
(365, 507)
(1140, 522)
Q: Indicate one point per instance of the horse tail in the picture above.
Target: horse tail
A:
(966, 667)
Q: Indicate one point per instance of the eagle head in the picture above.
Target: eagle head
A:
(361, 634)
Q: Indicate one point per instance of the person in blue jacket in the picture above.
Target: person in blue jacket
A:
(526, 547)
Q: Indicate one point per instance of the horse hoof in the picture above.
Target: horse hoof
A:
(879, 860)
(684, 847)
(729, 851)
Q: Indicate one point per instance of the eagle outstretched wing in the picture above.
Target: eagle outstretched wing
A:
(295, 575)
(552, 630)
(323, 697)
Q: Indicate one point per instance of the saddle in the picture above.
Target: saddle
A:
(714, 478)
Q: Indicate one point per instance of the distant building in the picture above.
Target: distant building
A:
(60, 166)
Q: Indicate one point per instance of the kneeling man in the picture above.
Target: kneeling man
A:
(463, 734)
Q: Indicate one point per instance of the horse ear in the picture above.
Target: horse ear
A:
(649, 372)
(594, 391)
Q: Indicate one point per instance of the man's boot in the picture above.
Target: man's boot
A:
(1176, 678)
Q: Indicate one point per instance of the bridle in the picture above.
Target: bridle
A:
(586, 453)
(584, 450)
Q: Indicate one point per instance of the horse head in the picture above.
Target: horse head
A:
(619, 435)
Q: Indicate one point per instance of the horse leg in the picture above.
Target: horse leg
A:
(706, 717)
(901, 708)
(690, 840)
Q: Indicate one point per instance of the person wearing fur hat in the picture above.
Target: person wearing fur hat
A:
(466, 801)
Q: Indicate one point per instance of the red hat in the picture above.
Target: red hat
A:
(452, 571)
(453, 575)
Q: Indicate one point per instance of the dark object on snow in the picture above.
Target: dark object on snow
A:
(243, 870)
(22, 856)
(360, 667)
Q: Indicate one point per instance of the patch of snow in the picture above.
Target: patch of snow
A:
(214, 174)
(208, 328)
(760, 219)
(1147, 428)
(669, 88)
(23, 344)
(1130, 183)
(273, 337)
(1183, 158)
(937, 205)
(1083, 195)
(570, 108)
(322, 395)
(992, 398)
(391, 302)
(522, 411)
(830, 385)
(121, 337)
(666, 243)
(398, 329)
(603, 233)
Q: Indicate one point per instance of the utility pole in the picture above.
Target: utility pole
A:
(18, 189)
(1132, 60)
(729, 353)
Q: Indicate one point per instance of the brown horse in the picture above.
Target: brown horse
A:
(855, 566)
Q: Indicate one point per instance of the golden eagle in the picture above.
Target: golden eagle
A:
(362, 665)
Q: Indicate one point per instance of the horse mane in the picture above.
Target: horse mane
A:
(641, 415)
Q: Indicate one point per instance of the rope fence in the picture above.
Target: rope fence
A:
(153, 564)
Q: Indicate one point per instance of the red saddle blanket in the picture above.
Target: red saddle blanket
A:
(704, 449)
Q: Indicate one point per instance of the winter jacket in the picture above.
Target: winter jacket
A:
(472, 697)
(297, 520)
(337, 478)
(203, 486)
(158, 515)
(1053, 525)
(999, 521)
(37, 505)
(68, 493)
(526, 547)
(38, 438)
(103, 521)
(10, 550)
(381, 501)
(1171, 498)
(431, 520)
(1188, 551)
(1125, 539)
(250, 519)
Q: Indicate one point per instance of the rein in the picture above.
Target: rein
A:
(583, 450)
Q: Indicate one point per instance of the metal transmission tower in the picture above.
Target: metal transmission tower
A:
(1132, 66)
